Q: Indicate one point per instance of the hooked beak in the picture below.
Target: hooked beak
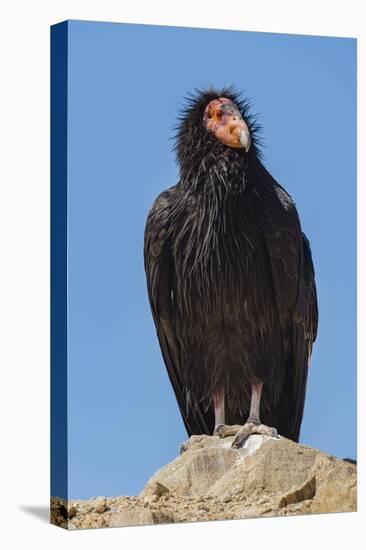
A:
(245, 139)
(233, 131)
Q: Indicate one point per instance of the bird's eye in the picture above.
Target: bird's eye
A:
(218, 114)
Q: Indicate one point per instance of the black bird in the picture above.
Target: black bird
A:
(230, 279)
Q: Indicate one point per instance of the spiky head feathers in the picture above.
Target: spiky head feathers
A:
(202, 138)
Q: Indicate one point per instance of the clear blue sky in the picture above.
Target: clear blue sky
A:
(126, 84)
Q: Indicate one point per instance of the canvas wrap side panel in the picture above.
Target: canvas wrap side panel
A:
(59, 46)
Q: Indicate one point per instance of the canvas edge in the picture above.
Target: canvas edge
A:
(58, 336)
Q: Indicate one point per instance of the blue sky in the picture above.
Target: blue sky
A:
(126, 84)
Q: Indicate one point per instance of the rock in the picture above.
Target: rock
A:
(162, 517)
(211, 480)
(100, 505)
(304, 491)
(156, 490)
(131, 517)
(72, 512)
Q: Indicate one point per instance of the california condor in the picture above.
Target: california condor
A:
(230, 279)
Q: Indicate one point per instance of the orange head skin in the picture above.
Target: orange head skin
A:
(223, 119)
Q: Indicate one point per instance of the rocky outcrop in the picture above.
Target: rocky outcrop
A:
(210, 480)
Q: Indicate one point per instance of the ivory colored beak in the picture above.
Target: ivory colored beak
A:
(245, 139)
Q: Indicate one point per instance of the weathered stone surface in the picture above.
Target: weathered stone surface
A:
(127, 518)
(211, 480)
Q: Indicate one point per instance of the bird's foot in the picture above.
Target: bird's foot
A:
(252, 428)
(224, 430)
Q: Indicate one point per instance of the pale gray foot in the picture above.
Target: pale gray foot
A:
(252, 428)
(224, 430)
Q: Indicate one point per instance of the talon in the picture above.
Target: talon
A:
(219, 430)
(239, 441)
(237, 444)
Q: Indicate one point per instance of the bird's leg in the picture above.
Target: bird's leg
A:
(225, 431)
(255, 403)
(253, 424)
(221, 429)
(219, 406)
